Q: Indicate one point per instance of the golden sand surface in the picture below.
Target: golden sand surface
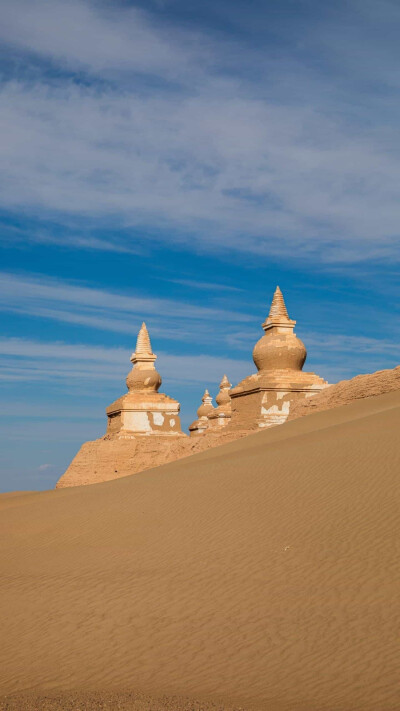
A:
(260, 574)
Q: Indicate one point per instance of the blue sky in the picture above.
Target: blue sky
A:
(174, 162)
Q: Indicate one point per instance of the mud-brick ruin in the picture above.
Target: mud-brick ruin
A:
(143, 426)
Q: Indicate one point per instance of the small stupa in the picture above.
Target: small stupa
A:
(264, 399)
(221, 415)
(202, 424)
(143, 410)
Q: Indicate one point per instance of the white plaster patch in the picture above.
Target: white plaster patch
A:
(279, 396)
(275, 410)
(137, 422)
(158, 418)
(172, 422)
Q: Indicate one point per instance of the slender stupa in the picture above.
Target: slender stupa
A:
(264, 399)
(143, 427)
(143, 410)
(201, 425)
(221, 415)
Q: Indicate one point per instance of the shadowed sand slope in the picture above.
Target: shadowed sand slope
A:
(263, 572)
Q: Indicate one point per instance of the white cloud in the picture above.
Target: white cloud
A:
(204, 286)
(83, 34)
(106, 310)
(74, 365)
(349, 344)
(209, 157)
(77, 366)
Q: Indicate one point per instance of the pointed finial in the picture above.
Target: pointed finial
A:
(225, 383)
(278, 306)
(278, 315)
(207, 399)
(144, 352)
(143, 344)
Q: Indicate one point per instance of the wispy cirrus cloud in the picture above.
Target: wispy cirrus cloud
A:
(204, 285)
(182, 135)
(101, 38)
(12, 235)
(334, 354)
(349, 344)
(77, 365)
(44, 297)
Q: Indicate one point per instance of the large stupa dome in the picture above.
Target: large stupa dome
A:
(279, 348)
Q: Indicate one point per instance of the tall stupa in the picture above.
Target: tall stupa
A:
(264, 399)
(143, 427)
(143, 410)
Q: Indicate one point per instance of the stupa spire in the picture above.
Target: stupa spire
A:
(278, 314)
(144, 352)
(143, 343)
(278, 306)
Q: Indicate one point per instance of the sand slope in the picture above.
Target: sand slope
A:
(263, 572)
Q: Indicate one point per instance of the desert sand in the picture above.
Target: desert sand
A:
(261, 574)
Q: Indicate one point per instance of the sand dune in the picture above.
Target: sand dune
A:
(262, 573)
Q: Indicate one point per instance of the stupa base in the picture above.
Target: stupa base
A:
(260, 407)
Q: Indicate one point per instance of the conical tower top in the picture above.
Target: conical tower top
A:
(143, 344)
(278, 315)
(144, 352)
(278, 306)
(223, 397)
(206, 399)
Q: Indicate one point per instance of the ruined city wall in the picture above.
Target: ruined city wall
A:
(347, 391)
